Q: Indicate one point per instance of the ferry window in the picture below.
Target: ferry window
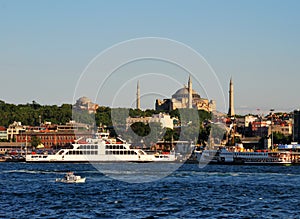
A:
(125, 152)
(92, 146)
(114, 147)
(118, 152)
(67, 153)
(88, 147)
(88, 152)
(84, 152)
(92, 152)
(96, 147)
(80, 152)
(106, 147)
(114, 152)
(121, 152)
(96, 152)
(106, 152)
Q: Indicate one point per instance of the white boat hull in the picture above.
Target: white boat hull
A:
(81, 180)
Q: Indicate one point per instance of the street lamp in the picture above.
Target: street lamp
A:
(272, 110)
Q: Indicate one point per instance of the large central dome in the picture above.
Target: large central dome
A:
(182, 98)
(184, 93)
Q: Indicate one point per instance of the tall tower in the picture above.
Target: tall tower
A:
(190, 93)
(231, 101)
(296, 126)
(138, 100)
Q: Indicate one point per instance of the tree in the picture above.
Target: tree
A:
(171, 135)
(35, 141)
(279, 138)
(140, 129)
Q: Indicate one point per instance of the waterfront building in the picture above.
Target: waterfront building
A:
(52, 135)
(52, 139)
(12, 147)
(185, 97)
(284, 127)
(73, 126)
(14, 129)
(165, 120)
(250, 119)
(260, 127)
(256, 126)
(3, 133)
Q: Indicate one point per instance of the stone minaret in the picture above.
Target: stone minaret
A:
(231, 101)
(190, 93)
(138, 100)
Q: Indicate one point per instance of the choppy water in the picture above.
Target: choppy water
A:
(29, 190)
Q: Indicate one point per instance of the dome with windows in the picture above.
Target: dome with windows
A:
(184, 93)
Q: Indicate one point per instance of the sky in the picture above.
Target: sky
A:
(46, 47)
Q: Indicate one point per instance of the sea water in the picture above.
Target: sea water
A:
(214, 191)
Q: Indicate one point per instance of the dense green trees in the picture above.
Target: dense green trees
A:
(30, 114)
(190, 121)
(279, 138)
(35, 141)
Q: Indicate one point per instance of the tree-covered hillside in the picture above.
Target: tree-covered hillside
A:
(30, 113)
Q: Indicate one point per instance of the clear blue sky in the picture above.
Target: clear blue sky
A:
(45, 45)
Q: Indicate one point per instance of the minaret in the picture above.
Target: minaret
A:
(138, 100)
(190, 93)
(231, 101)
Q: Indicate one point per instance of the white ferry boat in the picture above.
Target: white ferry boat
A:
(98, 149)
(224, 156)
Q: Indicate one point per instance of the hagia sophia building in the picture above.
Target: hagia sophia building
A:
(185, 97)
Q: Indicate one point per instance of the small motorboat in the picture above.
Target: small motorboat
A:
(70, 177)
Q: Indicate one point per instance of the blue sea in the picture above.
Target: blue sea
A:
(213, 191)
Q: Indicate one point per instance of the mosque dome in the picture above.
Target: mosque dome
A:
(83, 100)
(184, 93)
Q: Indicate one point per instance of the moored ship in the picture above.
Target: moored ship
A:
(225, 156)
